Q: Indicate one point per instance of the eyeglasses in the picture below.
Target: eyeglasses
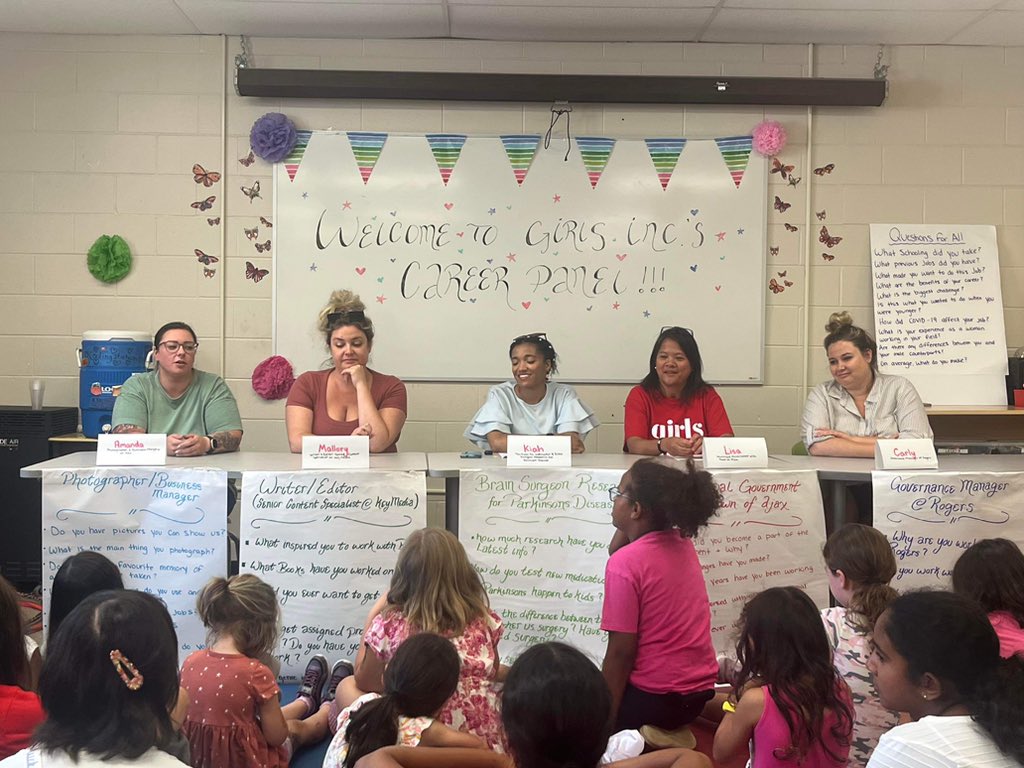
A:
(190, 347)
(614, 493)
(530, 337)
(676, 328)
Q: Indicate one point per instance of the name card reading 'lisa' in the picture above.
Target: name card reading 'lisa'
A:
(735, 452)
(335, 452)
(131, 450)
(539, 451)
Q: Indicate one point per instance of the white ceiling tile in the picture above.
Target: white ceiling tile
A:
(998, 28)
(574, 24)
(95, 17)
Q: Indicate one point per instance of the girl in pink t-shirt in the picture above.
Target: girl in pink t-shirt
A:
(660, 663)
(991, 572)
(788, 700)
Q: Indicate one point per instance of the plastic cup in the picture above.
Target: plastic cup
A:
(36, 390)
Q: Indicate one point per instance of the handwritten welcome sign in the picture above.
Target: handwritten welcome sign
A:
(327, 541)
(472, 233)
(930, 518)
(540, 540)
(164, 530)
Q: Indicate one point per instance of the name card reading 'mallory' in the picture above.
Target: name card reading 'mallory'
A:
(332, 452)
(539, 451)
(916, 453)
(735, 452)
(131, 450)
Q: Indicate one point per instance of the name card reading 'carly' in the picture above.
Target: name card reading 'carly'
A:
(163, 529)
(916, 453)
(735, 452)
(327, 542)
(131, 450)
(335, 452)
(930, 518)
(539, 451)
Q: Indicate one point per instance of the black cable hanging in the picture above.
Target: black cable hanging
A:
(558, 109)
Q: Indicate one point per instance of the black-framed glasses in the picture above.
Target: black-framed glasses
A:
(190, 347)
(530, 337)
(676, 328)
(614, 493)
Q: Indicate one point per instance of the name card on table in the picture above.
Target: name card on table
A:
(735, 452)
(131, 450)
(916, 453)
(539, 451)
(333, 452)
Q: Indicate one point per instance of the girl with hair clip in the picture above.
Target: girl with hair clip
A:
(531, 404)
(20, 710)
(556, 711)
(349, 398)
(660, 664)
(789, 703)
(936, 657)
(234, 717)
(109, 683)
(418, 680)
(860, 566)
(847, 416)
(991, 572)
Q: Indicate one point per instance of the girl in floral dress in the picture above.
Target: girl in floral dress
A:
(436, 589)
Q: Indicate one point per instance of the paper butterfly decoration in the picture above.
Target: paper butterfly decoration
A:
(207, 272)
(775, 287)
(780, 206)
(253, 233)
(205, 205)
(203, 176)
(790, 227)
(824, 169)
(789, 283)
(820, 215)
(779, 168)
(251, 273)
(213, 222)
(783, 273)
(827, 256)
(266, 223)
(252, 192)
(261, 247)
(794, 180)
(248, 159)
(775, 250)
(827, 239)
(205, 258)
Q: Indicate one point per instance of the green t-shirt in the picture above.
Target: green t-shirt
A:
(207, 407)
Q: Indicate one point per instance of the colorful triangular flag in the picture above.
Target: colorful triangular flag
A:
(665, 154)
(736, 153)
(366, 148)
(520, 150)
(446, 148)
(294, 159)
(596, 152)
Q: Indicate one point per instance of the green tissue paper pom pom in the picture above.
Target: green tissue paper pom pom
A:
(110, 258)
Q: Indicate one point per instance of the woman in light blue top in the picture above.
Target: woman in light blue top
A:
(531, 404)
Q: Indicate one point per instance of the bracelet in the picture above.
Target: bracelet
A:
(660, 452)
(728, 706)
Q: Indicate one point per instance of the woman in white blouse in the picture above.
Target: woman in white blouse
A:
(846, 416)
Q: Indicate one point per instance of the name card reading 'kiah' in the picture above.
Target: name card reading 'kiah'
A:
(916, 453)
(539, 451)
(735, 452)
(131, 450)
(333, 452)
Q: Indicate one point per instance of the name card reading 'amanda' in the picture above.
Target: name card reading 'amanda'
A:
(917, 453)
(735, 452)
(539, 451)
(327, 452)
(131, 450)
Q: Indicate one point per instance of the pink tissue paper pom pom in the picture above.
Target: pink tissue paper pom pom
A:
(769, 138)
(273, 378)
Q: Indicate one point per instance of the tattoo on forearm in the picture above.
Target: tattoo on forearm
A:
(121, 429)
(227, 442)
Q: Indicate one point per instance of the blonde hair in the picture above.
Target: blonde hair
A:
(344, 308)
(435, 586)
(840, 327)
(243, 607)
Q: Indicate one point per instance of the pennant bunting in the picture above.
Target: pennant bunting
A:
(665, 154)
(736, 153)
(446, 148)
(294, 159)
(366, 149)
(596, 152)
(520, 151)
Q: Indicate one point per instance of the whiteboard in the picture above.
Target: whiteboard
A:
(459, 243)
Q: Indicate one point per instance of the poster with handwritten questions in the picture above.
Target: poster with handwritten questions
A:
(474, 240)
(165, 530)
(930, 518)
(327, 541)
(540, 540)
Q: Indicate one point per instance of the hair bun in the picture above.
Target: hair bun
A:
(340, 301)
(838, 320)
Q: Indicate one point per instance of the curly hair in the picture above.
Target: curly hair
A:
(674, 498)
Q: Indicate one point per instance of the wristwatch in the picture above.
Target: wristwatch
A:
(660, 452)
(213, 443)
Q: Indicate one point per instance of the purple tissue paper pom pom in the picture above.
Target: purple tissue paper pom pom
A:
(273, 378)
(273, 137)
